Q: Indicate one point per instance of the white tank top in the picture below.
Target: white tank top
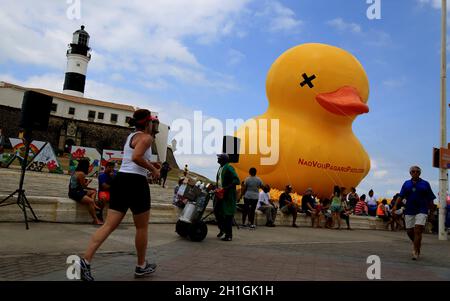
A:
(128, 166)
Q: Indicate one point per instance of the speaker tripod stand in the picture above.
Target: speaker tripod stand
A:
(22, 200)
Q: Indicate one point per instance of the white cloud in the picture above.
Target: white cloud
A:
(6, 77)
(377, 38)
(117, 77)
(374, 38)
(394, 83)
(281, 18)
(373, 164)
(343, 26)
(203, 161)
(156, 84)
(384, 178)
(434, 183)
(125, 36)
(391, 192)
(148, 39)
(379, 174)
(434, 3)
(168, 110)
(235, 57)
(205, 165)
(50, 81)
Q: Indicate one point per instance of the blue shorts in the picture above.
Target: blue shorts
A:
(77, 195)
(336, 208)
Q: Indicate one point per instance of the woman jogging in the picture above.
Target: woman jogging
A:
(130, 190)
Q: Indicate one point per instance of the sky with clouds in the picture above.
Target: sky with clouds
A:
(179, 56)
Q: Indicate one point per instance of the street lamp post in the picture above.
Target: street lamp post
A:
(443, 176)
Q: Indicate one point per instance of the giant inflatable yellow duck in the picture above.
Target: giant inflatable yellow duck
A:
(315, 91)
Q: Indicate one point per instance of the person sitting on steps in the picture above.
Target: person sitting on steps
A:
(309, 205)
(361, 206)
(266, 206)
(323, 210)
(104, 184)
(79, 191)
(287, 206)
(383, 213)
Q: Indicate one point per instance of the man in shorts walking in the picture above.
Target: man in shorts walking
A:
(419, 198)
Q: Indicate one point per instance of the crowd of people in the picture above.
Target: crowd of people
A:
(409, 209)
(128, 189)
(327, 212)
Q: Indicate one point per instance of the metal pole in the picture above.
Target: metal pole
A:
(443, 176)
(20, 198)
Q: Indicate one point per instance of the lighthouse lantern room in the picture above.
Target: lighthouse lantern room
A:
(78, 57)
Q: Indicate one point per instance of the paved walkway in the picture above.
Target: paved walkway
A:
(271, 254)
(280, 253)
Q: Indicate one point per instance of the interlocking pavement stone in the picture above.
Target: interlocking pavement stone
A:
(280, 254)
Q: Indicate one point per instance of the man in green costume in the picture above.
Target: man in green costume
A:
(225, 207)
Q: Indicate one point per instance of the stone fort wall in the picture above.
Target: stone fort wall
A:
(88, 134)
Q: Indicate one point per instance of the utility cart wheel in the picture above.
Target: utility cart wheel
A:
(198, 231)
(182, 228)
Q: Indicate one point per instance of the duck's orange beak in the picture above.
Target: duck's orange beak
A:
(345, 101)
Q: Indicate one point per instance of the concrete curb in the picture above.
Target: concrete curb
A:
(65, 210)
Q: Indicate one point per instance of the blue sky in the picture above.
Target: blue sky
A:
(179, 56)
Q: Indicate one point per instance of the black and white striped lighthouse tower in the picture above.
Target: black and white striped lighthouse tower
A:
(78, 57)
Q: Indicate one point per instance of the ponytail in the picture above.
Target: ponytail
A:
(131, 121)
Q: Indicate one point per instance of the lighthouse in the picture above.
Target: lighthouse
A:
(78, 57)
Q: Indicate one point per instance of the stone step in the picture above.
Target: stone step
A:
(56, 185)
(65, 210)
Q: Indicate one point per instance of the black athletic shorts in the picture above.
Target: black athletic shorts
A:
(129, 190)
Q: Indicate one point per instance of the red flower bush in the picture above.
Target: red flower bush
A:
(79, 153)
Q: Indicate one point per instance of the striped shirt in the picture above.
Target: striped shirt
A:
(360, 208)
